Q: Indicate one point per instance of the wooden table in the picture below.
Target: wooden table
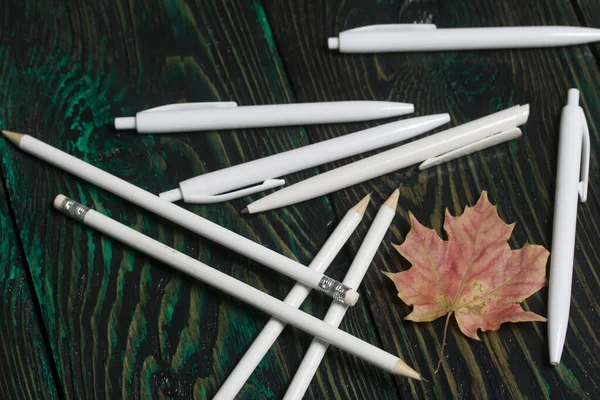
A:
(85, 317)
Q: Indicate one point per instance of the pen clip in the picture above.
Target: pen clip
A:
(585, 158)
(394, 28)
(472, 147)
(207, 199)
(193, 106)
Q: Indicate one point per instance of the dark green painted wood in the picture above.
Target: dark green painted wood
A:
(26, 366)
(519, 176)
(122, 325)
(119, 324)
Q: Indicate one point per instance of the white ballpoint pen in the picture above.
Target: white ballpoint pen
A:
(233, 182)
(432, 150)
(426, 37)
(571, 184)
(186, 117)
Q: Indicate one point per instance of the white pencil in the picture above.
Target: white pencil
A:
(235, 288)
(336, 311)
(299, 292)
(183, 217)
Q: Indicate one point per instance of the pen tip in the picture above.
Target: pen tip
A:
(245, 211)
(333, 43)
(14, 137)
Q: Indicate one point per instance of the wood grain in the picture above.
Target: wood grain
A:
(121, 325)
(510, 363)
(26, 369)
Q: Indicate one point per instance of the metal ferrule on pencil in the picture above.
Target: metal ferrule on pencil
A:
(178, 215)
(73, 209)
(242, 291)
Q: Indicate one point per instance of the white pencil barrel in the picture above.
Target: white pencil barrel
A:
(370, 245)
(312, 359)
(185, 218)
(336, 312)
(271, 331)
(227, 284)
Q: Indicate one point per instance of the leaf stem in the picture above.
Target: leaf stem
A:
(443, 343)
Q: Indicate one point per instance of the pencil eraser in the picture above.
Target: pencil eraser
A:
(351, 298)
(58, 200)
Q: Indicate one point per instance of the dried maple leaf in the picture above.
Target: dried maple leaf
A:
(474, 274)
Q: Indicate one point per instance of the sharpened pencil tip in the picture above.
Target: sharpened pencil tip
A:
(402, 369)
(423, 379)
(392, 201)
(361, 206)
(14, 137)
(245, 211)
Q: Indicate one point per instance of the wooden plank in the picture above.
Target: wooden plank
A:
(587, 11)
(513, 362)
(122, 325)
(26, 370)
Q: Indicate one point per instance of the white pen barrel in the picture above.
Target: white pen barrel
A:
(266, 115)
(563, 232)
(367, 41)
(302, 158)
(271, 331)
(394, 159)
